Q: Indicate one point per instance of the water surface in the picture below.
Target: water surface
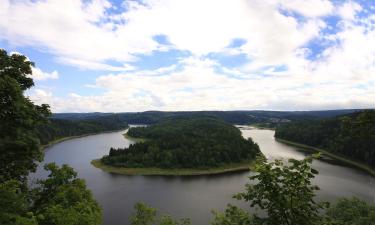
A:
(192, 197)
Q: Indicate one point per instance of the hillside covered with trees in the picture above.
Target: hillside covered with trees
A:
(184, 143)
(352, 135)
(55, 129)
(268, 118)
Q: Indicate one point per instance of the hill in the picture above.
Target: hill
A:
(184, 143)
(262, 117)
(352, 135)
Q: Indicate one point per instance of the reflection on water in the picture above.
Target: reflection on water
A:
(192, 197)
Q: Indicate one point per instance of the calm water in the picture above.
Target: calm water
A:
(192, 197)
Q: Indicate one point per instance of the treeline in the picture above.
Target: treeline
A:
(60, 128)
(184, 143)
(352, 135)
(269, 118)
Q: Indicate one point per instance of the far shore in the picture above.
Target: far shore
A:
(233, 167)
(59, 140)
(341, 158)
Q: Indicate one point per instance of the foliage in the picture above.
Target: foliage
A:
(19, 146)
(351, 212)
(352, 135)
(60, 199)
(233, 216)
(60, 128)
(64, 199)
(146, 215)
(14, 206)
(285, 192)
(184, 143)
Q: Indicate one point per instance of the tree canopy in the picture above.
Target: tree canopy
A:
(61, 199)
(184, 143)
(352, 135)
(19, 145)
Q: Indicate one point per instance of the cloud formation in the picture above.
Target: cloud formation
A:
(313, 54)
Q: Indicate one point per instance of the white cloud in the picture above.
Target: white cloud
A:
(86, 36)
(38, 74)
(349, 9)
(310, 8)
(199, 86)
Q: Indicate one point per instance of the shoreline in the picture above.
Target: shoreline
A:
(126, 136)
(59, 140)
(344, 159)
(233, 167)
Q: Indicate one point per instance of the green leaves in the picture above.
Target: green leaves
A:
(232, 216)
(351, 212)
(145, 215)
(285, 191)
(19, 146)
(64, 199)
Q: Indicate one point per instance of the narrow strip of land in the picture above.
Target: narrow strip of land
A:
(341, 158)
(59, 140)
(233, 167)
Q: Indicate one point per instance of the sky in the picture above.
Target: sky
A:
(173, 55)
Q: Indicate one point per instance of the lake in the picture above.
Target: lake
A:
(191, 197)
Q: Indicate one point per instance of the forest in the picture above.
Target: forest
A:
(272, 118)
(188, 142)
(55, 129)
(352, 135)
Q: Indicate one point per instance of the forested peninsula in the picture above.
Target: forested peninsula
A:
(351, 136)
(183, 146)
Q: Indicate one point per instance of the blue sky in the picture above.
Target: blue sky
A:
(115, 56)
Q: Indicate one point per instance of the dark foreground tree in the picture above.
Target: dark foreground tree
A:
(62, 199)
(19, 146)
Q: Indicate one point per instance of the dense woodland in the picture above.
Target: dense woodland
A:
(352, 135)
(184, 143)
(60, 128)
(266, 118)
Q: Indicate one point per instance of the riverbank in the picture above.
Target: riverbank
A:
(126, 136)
(59, 140)
(233, 167)
(344, 159)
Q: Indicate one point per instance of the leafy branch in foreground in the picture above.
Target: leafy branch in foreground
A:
(285, 192)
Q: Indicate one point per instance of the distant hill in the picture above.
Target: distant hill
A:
(57, 129)
(351, 135)
(272, 118)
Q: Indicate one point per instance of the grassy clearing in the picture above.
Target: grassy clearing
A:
(244, 166)
(344, 159)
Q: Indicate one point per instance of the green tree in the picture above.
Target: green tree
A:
(19, 145)
(351, 212)
(14, 204)
(146, 215)
(285, 192)
(233, 216)
(63, 199)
